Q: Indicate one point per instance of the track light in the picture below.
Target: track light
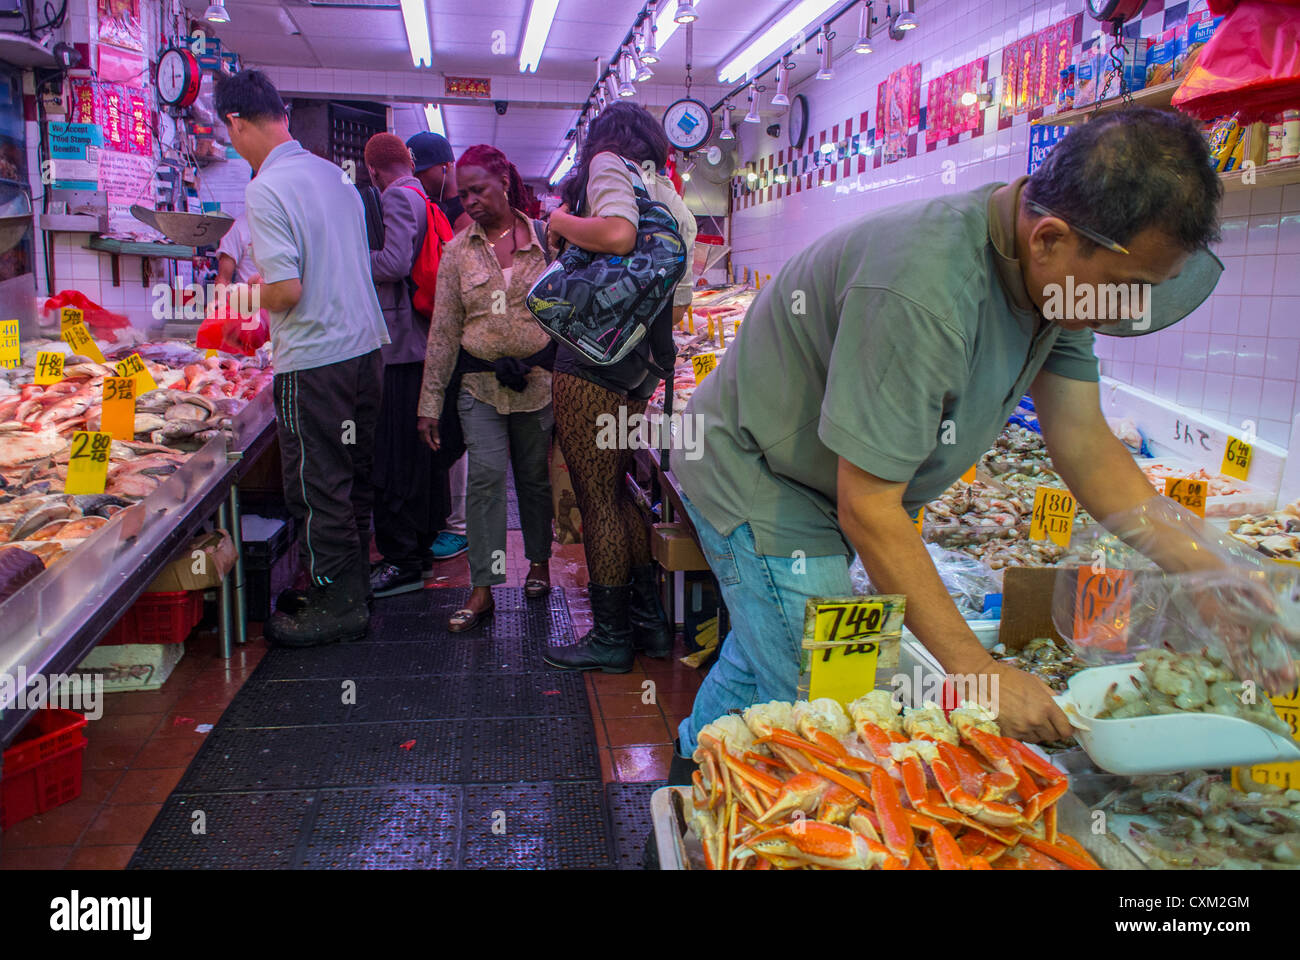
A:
(782, 96)
(685, 12)
(824, 46)
(752, 116)
(906, 16)
(864, 30)
(625, 87)
(600, 99)
(649, 42)
(727, 133)
(640, 69)
(216, 13)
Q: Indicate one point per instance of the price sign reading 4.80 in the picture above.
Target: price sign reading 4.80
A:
(1053, 517)
(1190, 493)
(1236, 458)
(88, 466)
(49, 367)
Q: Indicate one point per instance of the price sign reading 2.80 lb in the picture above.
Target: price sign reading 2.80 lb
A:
(845, 641)
(88, 466)
(1053, 517)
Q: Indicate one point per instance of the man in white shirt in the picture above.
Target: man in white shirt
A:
(308, 232)
(235, 254)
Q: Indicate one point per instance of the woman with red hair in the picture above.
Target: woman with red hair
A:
(482, 333)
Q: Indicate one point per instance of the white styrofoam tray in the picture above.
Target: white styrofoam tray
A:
(1167, 743)
(1251, 499)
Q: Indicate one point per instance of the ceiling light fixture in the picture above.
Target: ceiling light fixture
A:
(727, 133)
(541, 14)
(625, 87)
(685, 12)
(906, 16)
(416, 20)
(564, 166)
(433, 117)
(752, 116)
(864, 30)
(650, 47)
(216, 13)
(824, 48)
(640, 70)
(782, 96)
(665, 23)
(767, 42)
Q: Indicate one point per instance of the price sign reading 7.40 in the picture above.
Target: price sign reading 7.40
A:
(846, 639)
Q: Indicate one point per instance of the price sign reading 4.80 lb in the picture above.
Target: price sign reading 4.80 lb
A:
(846, 640)
(1190, 493)
(88, 467)
(134, 368)
(1236, 458)
(1053, 517)
(49, 367)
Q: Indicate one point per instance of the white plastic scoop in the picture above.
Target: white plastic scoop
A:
(1164, 743)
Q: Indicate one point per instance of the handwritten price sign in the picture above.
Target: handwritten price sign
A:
(1190, 493)
(119, 407)
(134, 368)
(10, 352)
(76, 336)
(1236, 458)
(68, 315)
(1053, 517)
(1284, 775)
(1101, 595)
(703, 364)
(88, 467)
(845, 640)
(49, 367)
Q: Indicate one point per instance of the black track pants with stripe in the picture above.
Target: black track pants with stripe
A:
(326, 418)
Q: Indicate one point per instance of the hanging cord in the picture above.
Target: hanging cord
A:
(690, 54)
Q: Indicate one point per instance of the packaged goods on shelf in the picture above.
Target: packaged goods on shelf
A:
(1166, 55)
(1200, 27)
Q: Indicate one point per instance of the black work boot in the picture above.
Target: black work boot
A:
(651, 632)
(388, 579)
(334, 612)
(608, 645)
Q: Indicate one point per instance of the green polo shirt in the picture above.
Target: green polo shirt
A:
(900, 341)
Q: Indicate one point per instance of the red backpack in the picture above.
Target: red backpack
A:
(424, 271)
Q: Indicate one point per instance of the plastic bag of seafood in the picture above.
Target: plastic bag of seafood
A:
(1214, 597)
(967, 580)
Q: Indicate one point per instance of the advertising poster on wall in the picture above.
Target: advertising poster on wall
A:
(119, 23)
(898, 111)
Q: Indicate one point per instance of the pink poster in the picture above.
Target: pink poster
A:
(119, 23)
(901, 94)
(124, 113)
(933, 120)
(122, 66)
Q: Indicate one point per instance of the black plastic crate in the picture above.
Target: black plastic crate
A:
(270, 565)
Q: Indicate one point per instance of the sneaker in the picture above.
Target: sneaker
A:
(387, 580)
(448, 545)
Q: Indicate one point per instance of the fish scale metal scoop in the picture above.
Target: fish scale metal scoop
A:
(187, 229)
(1163, 743)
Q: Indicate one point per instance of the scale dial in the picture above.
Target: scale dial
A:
(688, 124)
(178, 78)
(1115, 10)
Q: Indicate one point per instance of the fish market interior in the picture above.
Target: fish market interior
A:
(649, 435)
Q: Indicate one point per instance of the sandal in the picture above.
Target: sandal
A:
(466, 619)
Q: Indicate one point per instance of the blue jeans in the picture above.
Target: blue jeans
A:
(765, 596)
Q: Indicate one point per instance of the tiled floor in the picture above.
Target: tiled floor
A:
(140, 748)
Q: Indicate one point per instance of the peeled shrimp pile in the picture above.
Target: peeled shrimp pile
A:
(1216, 484)
(1205, 822)
(809, 785)
(1173, 682)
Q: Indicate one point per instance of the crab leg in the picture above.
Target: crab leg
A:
(844, 780)
(1058, 853)
(803, 792)
(788, 738)
(947, 853)
(894, 827)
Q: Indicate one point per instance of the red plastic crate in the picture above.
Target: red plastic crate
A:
(42, 768)
(166, 617)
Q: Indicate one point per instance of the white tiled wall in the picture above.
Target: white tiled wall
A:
(1235, 358)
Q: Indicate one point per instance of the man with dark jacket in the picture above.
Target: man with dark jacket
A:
(408, 512)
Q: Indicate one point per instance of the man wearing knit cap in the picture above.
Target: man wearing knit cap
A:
(408, 508)
(435, 166)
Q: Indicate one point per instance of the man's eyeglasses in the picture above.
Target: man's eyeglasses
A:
(1092, 235)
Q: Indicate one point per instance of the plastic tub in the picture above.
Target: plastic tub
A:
(42, 769)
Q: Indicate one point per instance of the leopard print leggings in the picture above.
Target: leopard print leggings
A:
(613, 533)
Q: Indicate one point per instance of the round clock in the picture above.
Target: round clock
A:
(1112, 11)
(688, 124)
(797, 122)
(179, 77)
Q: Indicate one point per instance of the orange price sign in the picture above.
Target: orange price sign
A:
(1102, 594)
(969, 475)
(1190, 493)
(119, 407)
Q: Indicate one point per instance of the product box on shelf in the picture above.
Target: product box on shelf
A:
(1200, 27)
(1087, 75)
(132, 667)
(674, 548)
(202, 565)
(1166, 54)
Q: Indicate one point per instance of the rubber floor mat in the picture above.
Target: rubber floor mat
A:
(415, 749)
(630, 821)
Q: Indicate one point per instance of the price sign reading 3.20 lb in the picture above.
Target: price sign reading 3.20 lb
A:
(88, 466)
(119, 407)
(703, 364)
(1053, 517)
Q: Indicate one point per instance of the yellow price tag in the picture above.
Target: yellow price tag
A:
(210, 352)
(76, 336)
(703, 364)
(88, 466)
(119, 407)
(134, 368)
(11, 357)
(1284, 775)
(1236, 458)
(845, 641)
(1190, 493)
(969, 475)
(920, 521)
(1053, 517)
(69, 315)
(49, 367)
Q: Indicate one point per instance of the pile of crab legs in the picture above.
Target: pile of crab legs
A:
(809, 785)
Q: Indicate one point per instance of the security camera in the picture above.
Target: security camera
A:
(774, 130)
(501, 107)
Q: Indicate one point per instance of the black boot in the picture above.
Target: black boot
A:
(608, 645)
(651, 633)
(335, 612)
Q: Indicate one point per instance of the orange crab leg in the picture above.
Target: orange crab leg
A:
(947, 854)
(1068, 842)
(844, 780)
(1060, 854)
(1044, 802)
(788, 738)
(894, 828)
(978, 863)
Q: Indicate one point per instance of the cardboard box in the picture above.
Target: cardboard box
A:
(191, 572)
(1027, 605)
(675, 549)
(130, 667)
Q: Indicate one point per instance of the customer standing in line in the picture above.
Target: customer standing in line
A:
(309, 242)
(436, 169)
(625, 606)
(407, 510)
(482, 332)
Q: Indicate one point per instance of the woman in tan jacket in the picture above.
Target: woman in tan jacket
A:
(482, 333)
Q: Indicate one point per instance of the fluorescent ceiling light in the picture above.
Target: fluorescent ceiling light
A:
(665, 23)
(564, 166)
(216, 13)
(771, 39)
(541, 13)
(416, 20)
(433, 116)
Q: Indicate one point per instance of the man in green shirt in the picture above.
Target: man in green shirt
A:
(882, 362)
